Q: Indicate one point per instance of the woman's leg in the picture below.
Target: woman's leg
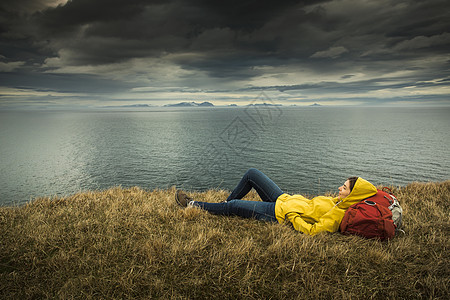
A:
(264, 211)
(264, 186)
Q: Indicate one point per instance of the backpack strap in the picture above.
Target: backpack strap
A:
(387, 190)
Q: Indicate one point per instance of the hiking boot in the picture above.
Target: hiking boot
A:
(182, 199)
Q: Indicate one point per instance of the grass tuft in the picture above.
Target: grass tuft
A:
(132, 243)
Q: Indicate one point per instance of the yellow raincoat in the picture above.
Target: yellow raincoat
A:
(320, 213)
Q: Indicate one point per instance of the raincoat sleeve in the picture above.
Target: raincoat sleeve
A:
(329, 222)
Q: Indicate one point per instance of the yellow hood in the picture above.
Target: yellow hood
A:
(320, 213)
(361, 190)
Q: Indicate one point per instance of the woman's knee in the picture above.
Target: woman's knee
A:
(252, 171)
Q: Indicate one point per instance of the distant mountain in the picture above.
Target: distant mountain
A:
(315, 104)
(207, 104)
(130, 106)
(265, 104)
(190, 104)
(136, 105)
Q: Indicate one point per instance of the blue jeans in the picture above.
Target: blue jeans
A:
(234, 206)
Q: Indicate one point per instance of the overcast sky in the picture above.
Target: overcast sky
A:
(58, 53)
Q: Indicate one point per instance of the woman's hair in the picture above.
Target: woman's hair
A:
(352, 181)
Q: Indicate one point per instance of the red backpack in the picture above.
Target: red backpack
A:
(377, 217)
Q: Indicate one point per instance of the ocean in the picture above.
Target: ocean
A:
(307, 150)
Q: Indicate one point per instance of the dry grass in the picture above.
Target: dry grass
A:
(131, 243)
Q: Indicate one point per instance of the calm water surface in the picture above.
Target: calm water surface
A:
(303, 149)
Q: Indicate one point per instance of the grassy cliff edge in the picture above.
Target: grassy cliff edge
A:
(133, 243)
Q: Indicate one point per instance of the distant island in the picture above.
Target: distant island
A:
(130, 106)
(265, 104)
(190, 104)
(315, 104)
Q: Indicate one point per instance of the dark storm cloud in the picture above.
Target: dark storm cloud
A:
(125, 29)
(231, 41)
(122, 30)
